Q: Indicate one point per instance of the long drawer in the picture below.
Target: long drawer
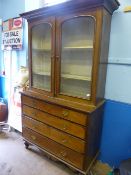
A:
(58, 150)
(74, 116)
(54, 134)
(64, 125)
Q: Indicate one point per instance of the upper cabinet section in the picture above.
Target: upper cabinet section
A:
(68, 50)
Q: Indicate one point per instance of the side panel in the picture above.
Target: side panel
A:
(105, 37)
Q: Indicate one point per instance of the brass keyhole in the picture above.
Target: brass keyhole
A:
(34, 113)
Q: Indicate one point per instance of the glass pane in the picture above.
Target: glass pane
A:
(41, 56)
(76, 57)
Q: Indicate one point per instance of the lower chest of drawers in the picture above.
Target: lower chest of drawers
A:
(62, 138)
(64, 153)
(69, 135)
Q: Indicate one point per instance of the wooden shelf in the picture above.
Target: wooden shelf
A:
(76, 77)
(77, 95)
(78, 47)
(41, 50)
(64, 48)
(66, 76)
(42, 73)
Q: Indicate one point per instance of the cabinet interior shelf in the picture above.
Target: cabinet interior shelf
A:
(42, 73)
(64, 48)
(78, 47)
(76, 77)
(41, 50)
(66, 76)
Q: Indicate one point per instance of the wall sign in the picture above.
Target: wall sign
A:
(12, 34)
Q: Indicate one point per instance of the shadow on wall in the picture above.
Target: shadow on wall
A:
(116, 134)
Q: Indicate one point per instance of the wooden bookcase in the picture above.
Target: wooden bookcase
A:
(68, 52)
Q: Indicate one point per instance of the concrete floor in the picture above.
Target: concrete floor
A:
(16, 160)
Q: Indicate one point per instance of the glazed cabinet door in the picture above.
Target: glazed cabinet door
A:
(42, 34)
(75, 56)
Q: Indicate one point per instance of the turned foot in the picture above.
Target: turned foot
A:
(26, 144)
(79, 173)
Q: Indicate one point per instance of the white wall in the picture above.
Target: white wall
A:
(118, 84)
(35, 4)
(31, 5)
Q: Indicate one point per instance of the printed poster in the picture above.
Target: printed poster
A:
(12, 34)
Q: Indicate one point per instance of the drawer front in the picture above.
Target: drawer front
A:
(54, 134)
(58, 150)
(64, 125)
(67, 114)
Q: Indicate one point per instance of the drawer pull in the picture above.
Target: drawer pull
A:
(64, 141)
(65, 127)
(33, 137)
(35, 127)
(63, 153)
(65, 113)
(34, 103)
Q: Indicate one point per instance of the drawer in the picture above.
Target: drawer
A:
(67, 114)
(54, 148)
(54, 134)
(56, 122)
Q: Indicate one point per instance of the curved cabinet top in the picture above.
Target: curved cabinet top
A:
(72, 6)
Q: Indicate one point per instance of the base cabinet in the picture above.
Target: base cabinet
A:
(72, 143)
(68, 54)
